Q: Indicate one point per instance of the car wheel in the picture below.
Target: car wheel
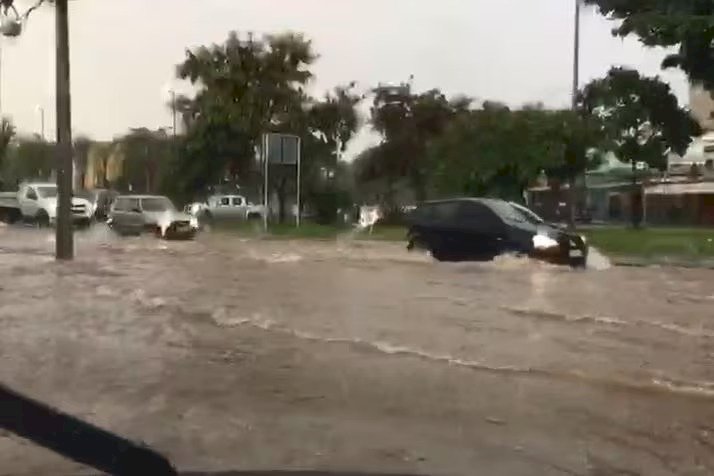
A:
(205, 218)
(440, 255)
(42, 219)
(581, 262)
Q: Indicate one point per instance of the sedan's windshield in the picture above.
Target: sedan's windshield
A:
(158, 204)
(527, 213)
(506, 211)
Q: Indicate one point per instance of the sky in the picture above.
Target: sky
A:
(124, 52)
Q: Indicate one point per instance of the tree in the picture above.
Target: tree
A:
(642, 117)
(688, 24)
(408, 122)
(496, 152)
(245, 88)
(146, 156)
(7, 132)
(582, 136)
(29, 158)
(331, 124)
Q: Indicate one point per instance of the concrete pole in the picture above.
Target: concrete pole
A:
(64, 245)
(576, 56)
(574, 104)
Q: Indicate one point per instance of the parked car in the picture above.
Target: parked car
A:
(37, 202)
(226, 207)
(132, 214)
(480, 229)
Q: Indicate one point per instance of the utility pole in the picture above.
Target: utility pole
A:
(64, 243)
(576, 56)
(574, 104)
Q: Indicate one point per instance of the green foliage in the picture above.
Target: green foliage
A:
(688, 24)
(146, 157)
(582, 135)
(642, 117)
(408, 122)
(28, 158)
(495, 151)
(245, 88)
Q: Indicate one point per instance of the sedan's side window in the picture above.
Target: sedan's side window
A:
(225, 201)
(132, 205)
(445, 212)
(479, 217)
(120, 205)
(30, 194)
(238, 201)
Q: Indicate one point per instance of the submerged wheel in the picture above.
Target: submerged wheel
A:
(42, 219)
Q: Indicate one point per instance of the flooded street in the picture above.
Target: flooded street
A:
(227, 353)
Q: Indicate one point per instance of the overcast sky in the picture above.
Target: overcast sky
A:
(124, 52)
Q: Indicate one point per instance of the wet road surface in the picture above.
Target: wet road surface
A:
(227, 353)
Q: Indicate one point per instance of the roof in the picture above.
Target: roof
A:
(41, 184)
(697, 153)
(681, 188)
(141, 197)
(462, 199)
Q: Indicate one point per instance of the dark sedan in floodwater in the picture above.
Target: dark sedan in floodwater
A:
(480, 229)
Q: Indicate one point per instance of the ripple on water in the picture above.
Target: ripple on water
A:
(698, 389)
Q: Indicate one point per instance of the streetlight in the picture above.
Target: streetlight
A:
(11, 25)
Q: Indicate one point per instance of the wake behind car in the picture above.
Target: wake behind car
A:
(480, 229)
(132, 214)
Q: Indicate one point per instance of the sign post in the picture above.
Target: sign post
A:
(280, 149)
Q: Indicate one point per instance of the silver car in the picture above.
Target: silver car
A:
(132, 214)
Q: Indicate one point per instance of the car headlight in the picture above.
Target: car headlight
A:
(194, 222)
(542, 242)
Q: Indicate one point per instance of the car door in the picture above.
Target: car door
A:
(121, 214)
(29, 201)
(482, 232)
(441, 230)
(238, 207)
(222, 209)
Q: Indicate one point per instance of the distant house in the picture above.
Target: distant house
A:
(699, 156)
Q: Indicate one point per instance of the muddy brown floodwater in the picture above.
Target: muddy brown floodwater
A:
(227, 354)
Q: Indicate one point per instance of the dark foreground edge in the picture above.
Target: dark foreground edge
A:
(87, 444)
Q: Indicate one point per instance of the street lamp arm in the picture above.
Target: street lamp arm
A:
(32, 9)
(8, 5)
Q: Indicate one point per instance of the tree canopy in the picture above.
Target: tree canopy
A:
(408, 122)
(250, 86)
(642, 117)
(688, 24)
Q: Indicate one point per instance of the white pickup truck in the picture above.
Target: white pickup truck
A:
(226, 207)
(37, 202)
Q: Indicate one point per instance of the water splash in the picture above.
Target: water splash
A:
(598, 261)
